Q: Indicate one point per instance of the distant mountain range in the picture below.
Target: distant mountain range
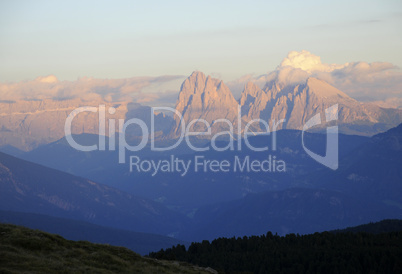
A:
(372, 170)
(295, 210)
(307, 198)
(367, 187)
(29, 187)
(174, 189)
(210, 99)
(29, 124)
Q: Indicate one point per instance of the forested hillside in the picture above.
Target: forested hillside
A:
(327, 252)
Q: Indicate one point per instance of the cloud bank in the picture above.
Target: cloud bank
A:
(307, 62)
(89, 89)
(377, 81)
(380, 82)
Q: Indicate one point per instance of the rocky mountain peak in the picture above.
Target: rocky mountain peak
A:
(205, 98)
(250, 89)
(323, 89)
(193, 84)
(200, 90)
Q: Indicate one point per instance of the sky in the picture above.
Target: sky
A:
(142, 51)
(227, 39)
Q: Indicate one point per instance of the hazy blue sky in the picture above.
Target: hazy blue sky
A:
(117, 39)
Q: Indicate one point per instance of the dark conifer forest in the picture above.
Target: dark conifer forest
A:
(342, 251)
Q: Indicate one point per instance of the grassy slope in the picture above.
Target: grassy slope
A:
(23, 249)
(76, 230)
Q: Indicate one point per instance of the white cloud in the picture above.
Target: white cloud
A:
(47, 79)
(361, 80)
(86, 88)
(367, 81)
(307, 62)
(375, 81)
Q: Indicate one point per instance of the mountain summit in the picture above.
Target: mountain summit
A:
(203, 102)
(300, 102)
(209, 99)
(205, 98)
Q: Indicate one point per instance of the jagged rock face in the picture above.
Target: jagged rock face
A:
(205, 98)
(28, 124)
(253, 101)
(297, 104)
